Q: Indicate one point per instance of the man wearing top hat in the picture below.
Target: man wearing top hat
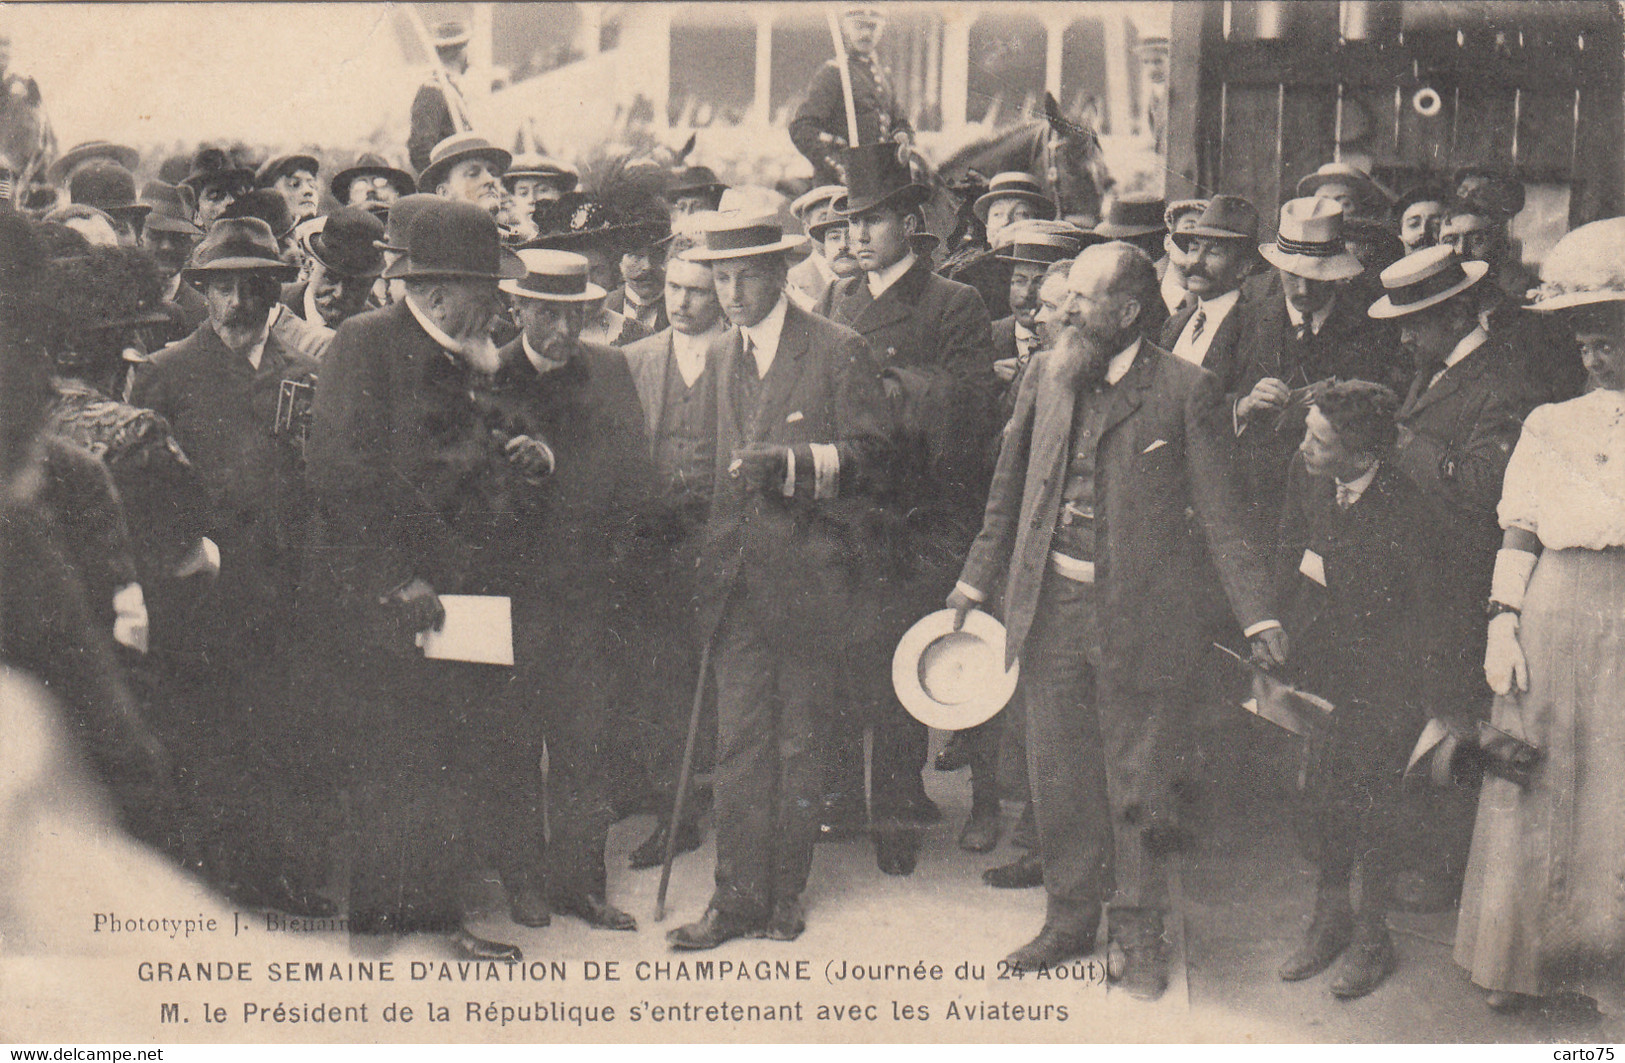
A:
(1221, 251)
(467, 167)
(216, 181)
(1458, 423)
(1085, 537)
(346, 258)
(563, 557)
(819, 129)
(802, 444)
(932, 339)
(222, 389)
(674, 373)
(415, 479)
(1304, 329)
(110, 188)
(435, 116)
(814, 275)
(371, 184)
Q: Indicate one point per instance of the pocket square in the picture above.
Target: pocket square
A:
(1154, 446)
(794, 417)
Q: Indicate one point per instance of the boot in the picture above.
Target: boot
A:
(1138, 957)
(1328, 935)
(1368, 961)
(981, 831)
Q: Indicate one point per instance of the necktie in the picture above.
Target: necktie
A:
(1302, 331)
(1345, 496)
(1198, 323)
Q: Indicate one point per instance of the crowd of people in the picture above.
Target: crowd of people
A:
(270, 435)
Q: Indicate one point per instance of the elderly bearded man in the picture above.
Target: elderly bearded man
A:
(801, 439)
(346, 259)
(1111, 442)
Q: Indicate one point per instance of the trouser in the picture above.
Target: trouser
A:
(1355, 783)
(773, 703)
(1097, 766)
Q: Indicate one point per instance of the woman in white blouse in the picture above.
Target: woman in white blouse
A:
(1543, 910)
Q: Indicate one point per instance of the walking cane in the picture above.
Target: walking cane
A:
(682, 782)
(846, 79)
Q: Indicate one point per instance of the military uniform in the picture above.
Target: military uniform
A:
(819, 128)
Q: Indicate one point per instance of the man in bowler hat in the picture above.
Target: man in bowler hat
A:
(346, 259)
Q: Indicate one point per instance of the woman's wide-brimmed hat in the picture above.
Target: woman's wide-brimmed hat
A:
(1586, 266)
(1423, 279)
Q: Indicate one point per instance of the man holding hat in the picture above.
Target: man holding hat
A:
(1457, 426)
(371, 184)
(110, 188)
(1302, 331)
(221, 389)
(932, 339)
(416, 479)
(438, 109)
(572, 418)
(346, 258)
(819, 129)
(802, 444)
(293, 177)
(467, 167)
(1221, 250)
(1112, 442)
(814, 275)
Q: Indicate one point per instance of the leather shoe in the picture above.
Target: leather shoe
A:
(595, 911)
(652, 851)
(1023, 873)
(981, 831)
(1052, 947)
(1368, 961)
(955, 754)
(897, 849)
(1328, 935)
(470, 946)
(1137, 960)
(788, 920)
(527, 905)
(714, 928)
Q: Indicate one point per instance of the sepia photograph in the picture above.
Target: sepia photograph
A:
(1016, 523)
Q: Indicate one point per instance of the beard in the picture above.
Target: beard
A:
(480, 352)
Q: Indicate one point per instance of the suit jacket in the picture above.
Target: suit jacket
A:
(616, 301)
(1361, 636)
(807, 278)
(648, 360)
(224, 416)
(932, 337)
(819, 127)
(1222, 360)
(799, 560)
(1166, 448)
(1349, 346)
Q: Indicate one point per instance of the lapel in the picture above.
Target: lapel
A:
(896, 304)
(1455, 378)
(1176, 325)
(782, 376)
(657, 393)
(1129, 392)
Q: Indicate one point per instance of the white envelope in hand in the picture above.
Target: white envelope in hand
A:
(478, 629)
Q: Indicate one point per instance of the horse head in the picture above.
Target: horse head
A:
(1074, 171)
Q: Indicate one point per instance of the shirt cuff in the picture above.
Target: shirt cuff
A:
(1235, 418)
(1262, 626)
(788, 490)
(970, 592)
(826, 470)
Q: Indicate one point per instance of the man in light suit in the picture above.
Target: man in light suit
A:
(802, 437)
(676, 386)
(1086, 539)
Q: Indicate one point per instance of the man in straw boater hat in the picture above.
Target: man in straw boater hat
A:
(802, 442)
(1458, 423)
(933, 340)
(673, 372)
(1086, 537)
(220, 390)
(1304, 331)
(569, 412)
(346, 258)
(1221, 251)
(403, 516)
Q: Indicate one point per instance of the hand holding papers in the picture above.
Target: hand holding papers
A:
(478, 629)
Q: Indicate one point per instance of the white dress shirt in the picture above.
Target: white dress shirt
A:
(1213, 311)
(541, 364)
(313, 313)
(1468, 344)
(763, 336)
(1349, 492)
(1317, 320)
(446, 343)
(880, 280)
(1173, 292)
(1026, 341)
(689, 352)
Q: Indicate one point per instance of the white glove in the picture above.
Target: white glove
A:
(130, 617)
(1503, 657)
